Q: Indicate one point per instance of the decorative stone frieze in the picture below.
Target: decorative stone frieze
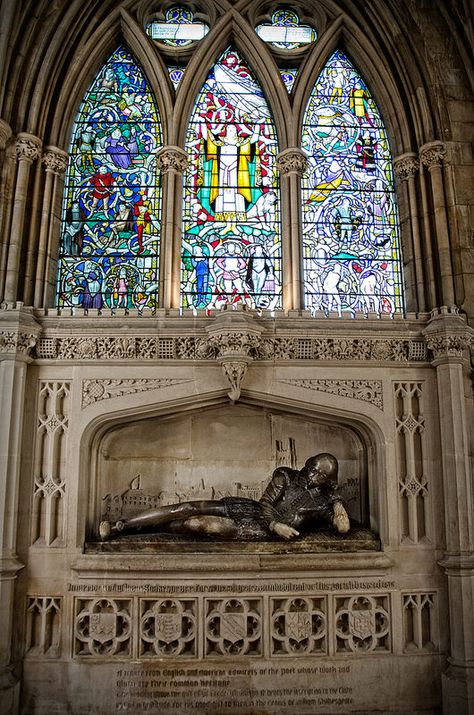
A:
(406, 165)
(171, 158)
(55, 160)
(433, 154)
(365, 390)
(292, 161)
(96, 390)
(27, 147)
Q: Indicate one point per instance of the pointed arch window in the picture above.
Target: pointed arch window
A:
(231, 248)
(109, 251)
(351, 256)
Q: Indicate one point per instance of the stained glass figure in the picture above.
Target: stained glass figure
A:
(289, 76)
(178, 29)
(285, 31)
(231, 239)
(109, 254)
(351, 251)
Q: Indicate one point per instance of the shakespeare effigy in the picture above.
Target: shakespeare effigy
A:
(293, 502)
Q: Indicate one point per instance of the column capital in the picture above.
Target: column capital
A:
(433, 154)
(5, 133)
(55, 160)
(27, 147)
(19, 332)
(448, 336)
(406, 165)
(171, 158)
(292, 161)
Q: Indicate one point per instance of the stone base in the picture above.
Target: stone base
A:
(458, 691)
(9, 690)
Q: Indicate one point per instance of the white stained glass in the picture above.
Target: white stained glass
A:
(172, 31)
(282, 34)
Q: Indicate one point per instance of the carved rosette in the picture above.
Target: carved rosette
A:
(234, 340)
(433, 154)
(55, 160)
(5, 133)
(406, 166)
(172, 158)
(292, 161)
(449, 338)
(27, 147)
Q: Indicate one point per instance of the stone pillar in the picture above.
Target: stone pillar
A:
(172, 161)
(55, 163)
(432, 155)
(5, 199)
(28, 148)
(292, 163)
(449, 338)
(406, 169)
(18, 335)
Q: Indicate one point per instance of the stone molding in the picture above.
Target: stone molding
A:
(406, 166)
(433, 154)
(102, 389)
(55, 160)
(365, 390)
(292, 161)
(171, 158)
(27, 147)
(5, 133)
(448, 337)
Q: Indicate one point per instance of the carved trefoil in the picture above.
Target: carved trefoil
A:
(168, 628)
(298, 626)
(362, 624)
(411, 463)
(49, 513)
(103, 627)
(419, 625)
(233, 627)
(43, 626)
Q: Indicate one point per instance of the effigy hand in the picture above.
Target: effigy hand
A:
(340, 519)
(283, 530)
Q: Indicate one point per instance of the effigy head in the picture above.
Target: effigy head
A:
(321, 469)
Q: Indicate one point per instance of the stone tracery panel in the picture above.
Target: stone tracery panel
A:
(299, 626)
(168, 628)
(43, 626)
(363, 624)
(103, 627)
(234, 627)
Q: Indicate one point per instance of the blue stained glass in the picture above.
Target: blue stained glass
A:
(351, 256)
(231, 239)
(176, 75)
(288, 77)
(109, 253)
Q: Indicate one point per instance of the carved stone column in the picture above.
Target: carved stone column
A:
(172, 161)
(432, 156)
(449, 339)
(5, 198)
(18, 335)
(406, 169)
(55, 163)
(28, 149)
(292, 163)
(234, 337)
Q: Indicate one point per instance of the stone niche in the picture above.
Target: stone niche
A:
(216, 452)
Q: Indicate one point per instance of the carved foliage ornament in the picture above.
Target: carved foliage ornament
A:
(96, 390)
(27, 147)
(292, 161)
(22, 343)
(172, 158)
(432, 154)
(406, 166)
(365, 390)
(55, 160)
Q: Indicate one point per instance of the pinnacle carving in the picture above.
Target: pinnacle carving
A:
(55, 160)
(292, 161)
(27, 147)
(172, 158)
(406, 166)
(433, 154)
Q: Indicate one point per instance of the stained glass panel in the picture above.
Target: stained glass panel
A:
(178, 29)
(351, 251)
(109, 255)
(231, 238)
(285, 31)
(288, 77)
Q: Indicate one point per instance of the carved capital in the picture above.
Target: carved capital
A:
(5, 133)
(448, 337)
(432, 154)
(406, 165)
(17, 343)
(292, 161)
(172, 158)
(55, 160)
(235, 372)
(27, 147)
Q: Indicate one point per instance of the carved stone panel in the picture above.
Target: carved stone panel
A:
(103, 627)
(298, 626)
(233, 627)
(168, 628)
(363, 624)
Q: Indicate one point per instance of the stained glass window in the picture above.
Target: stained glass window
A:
(231, 237)
(176, 74)
(288, 77)
(178, 29)
(109, 255)
(350, 225)
(285, 31)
